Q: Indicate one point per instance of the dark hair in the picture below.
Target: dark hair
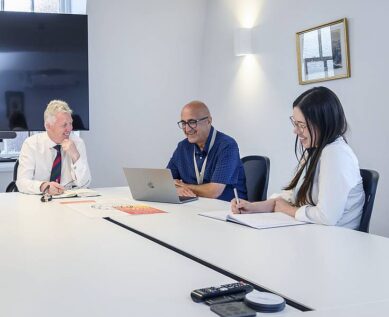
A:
(326, 121)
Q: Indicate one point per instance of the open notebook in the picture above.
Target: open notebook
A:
(256, 220)
(79, 192)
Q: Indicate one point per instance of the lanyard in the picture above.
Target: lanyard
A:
(200, 176)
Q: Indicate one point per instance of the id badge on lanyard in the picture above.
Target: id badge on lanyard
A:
(200, 175)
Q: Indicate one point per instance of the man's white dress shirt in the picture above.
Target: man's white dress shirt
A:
(337, 189)
(36, 160)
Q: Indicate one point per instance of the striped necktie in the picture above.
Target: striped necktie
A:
(55, 175)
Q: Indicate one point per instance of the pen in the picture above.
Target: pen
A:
(237, 198)
(236, 195)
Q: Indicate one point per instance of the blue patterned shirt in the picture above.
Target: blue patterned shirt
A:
(223, 164)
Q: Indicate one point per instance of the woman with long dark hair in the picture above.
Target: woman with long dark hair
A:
(327, 187)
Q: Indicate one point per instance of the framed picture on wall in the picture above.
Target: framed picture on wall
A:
(322, 52)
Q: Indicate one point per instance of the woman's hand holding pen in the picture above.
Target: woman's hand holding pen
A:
(241, 207)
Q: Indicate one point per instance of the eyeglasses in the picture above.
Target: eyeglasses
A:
(46, 197)
(298, 124)
(192, 123)
(69, 185)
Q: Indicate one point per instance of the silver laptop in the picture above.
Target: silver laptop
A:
(152, 184)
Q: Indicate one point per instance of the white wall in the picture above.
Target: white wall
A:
(149, 57)
(144, 65)
(251, 98)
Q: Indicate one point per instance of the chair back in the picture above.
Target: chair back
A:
(257, 170)
(370, 181)
(12, 186)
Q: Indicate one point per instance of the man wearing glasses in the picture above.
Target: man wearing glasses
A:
(207, 163)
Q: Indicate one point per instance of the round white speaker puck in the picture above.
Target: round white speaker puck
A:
(264, 301)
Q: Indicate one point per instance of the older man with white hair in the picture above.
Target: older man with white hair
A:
(54, 159)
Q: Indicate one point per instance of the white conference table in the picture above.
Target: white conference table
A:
(317, 266)
(376, 309)
(55, 261)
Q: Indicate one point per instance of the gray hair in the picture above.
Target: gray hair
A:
(54, 107)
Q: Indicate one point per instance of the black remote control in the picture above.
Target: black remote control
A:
(226, 299)
(202, 294)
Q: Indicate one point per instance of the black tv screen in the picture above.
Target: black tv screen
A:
(43, 56)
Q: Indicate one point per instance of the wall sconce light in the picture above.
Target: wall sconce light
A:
(242, 42)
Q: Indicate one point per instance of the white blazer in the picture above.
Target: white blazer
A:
(337, 189)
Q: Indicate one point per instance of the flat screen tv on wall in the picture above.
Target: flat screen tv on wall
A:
(43, 56)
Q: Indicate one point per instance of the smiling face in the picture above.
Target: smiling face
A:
(200, 132)
(61, 128)
(301, 129)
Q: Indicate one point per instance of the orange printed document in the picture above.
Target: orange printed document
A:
(139, 209)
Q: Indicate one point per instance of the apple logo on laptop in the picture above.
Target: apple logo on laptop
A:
(150, 185)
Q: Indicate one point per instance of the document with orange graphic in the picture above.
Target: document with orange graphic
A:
(139, 209)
